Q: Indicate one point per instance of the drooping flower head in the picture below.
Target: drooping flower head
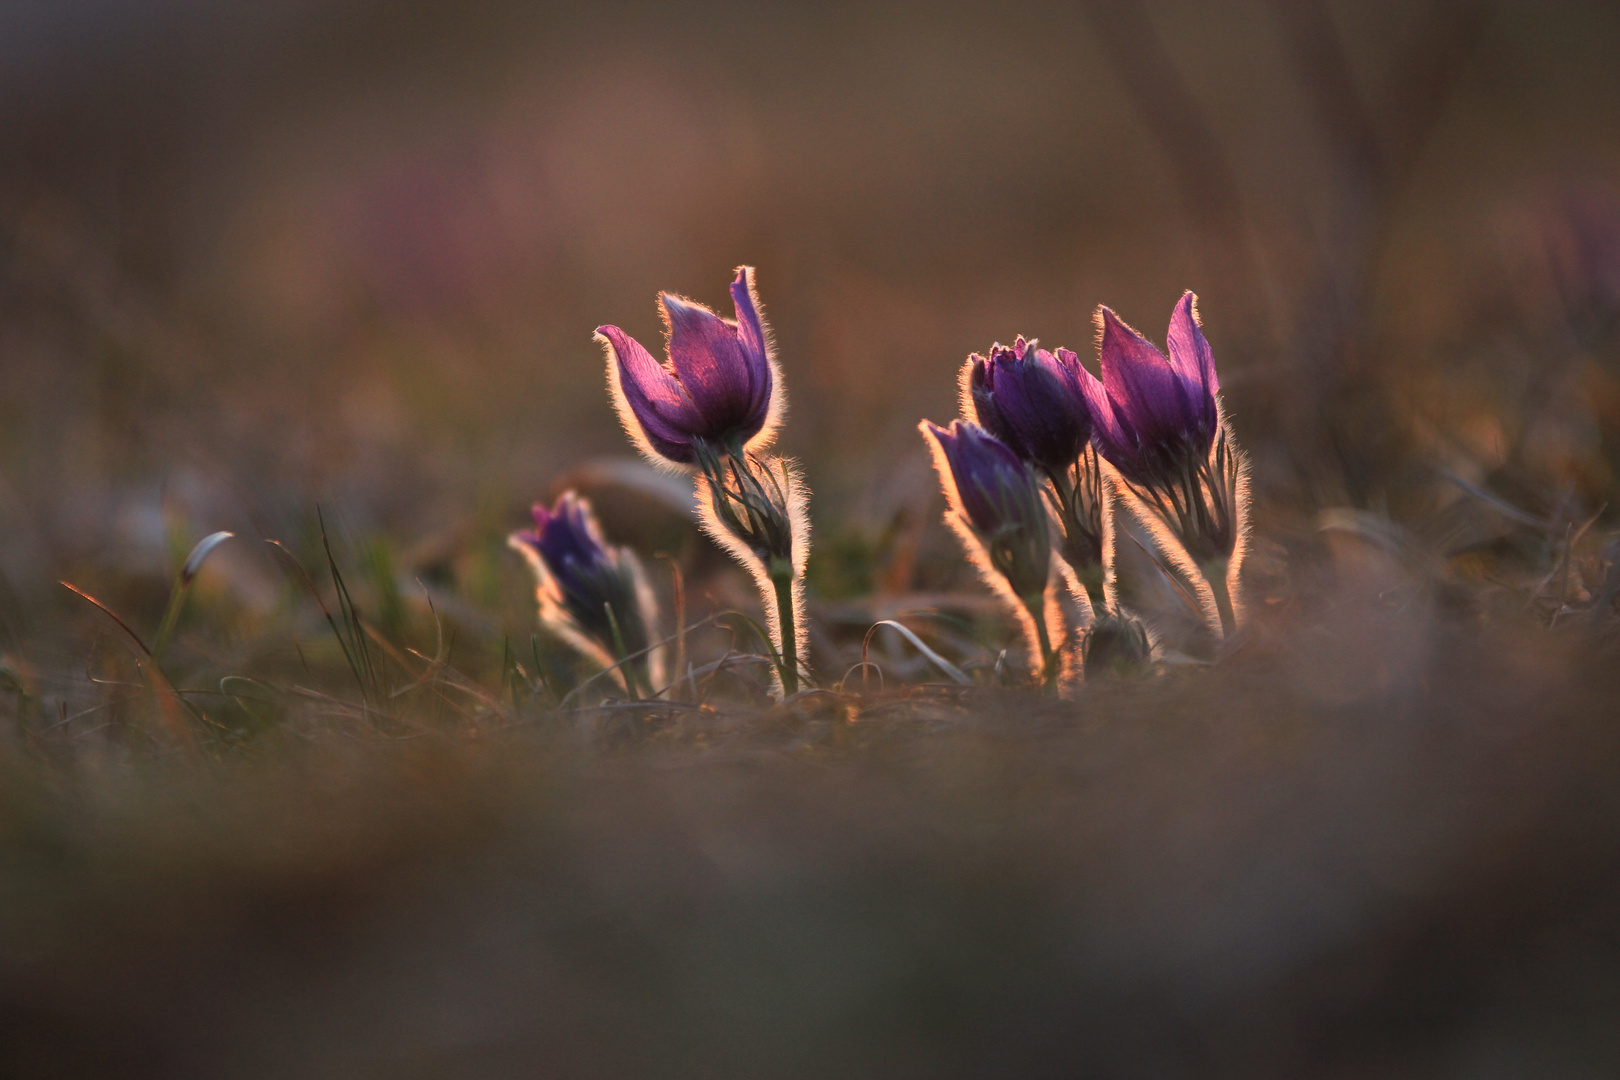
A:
(1031, 400)
(720, 386)
(997, 498)
(591, 592)
(1154, 417)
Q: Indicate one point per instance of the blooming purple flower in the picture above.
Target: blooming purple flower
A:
(584, 576)
(1032, 401)
(1154, 417)
(719, 386)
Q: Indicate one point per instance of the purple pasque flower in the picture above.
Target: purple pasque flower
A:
(719, 387)
(1155, 418)
(1031, 400)
(998, 498)
(982, 470)
(583, 578)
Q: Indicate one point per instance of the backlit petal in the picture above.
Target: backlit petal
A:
(655, 402)
(751, 336)
(711, 365)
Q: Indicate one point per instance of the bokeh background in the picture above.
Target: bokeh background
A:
(257, 257)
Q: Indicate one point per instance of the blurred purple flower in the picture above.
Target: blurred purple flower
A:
(1154, 417)
(1583, 250)
(586, 577)
(719, 386)
(1032, 401)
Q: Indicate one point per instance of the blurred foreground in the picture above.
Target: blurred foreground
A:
(1317, 860)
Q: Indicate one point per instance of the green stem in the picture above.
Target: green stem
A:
(627, 667)
(171, 617)
(782, 579)
(1215, 574)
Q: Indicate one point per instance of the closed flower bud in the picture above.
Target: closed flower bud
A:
(998, 499)
(1033, 401)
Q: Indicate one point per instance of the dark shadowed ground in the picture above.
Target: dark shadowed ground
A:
(335, 264)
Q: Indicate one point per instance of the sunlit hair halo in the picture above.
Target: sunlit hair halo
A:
(1032, 473)
(996, 508)
(713, 409)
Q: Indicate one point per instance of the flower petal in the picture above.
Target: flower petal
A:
(650, 401)
(984, 470)
(1145, 389)
(981, 396)
(942, 444)
(709, 360)
(1072, 376)
(1190, 355)
(1110, 433)
(1189, 351)
(751, 336)
(1041, 403)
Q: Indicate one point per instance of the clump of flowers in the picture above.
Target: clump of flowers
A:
(1159, 423)
(714, 409)
(592, 594)
(997, 509)
(1035, 402)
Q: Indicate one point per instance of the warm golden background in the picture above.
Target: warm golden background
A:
(258, 256)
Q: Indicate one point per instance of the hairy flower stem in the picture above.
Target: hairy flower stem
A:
(782, 579)
(1214, 572)
(1076, 497)
(1036, 606)
(751, 512)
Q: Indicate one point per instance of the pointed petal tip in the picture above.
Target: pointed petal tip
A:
(674, 305)
(946, 437)
(1189, 304)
